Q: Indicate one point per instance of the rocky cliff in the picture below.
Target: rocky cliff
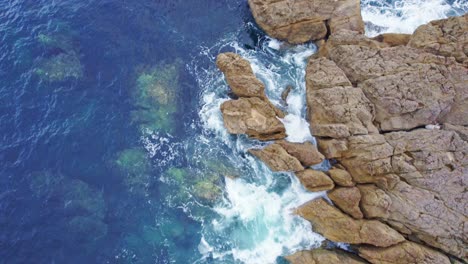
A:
(391, 113)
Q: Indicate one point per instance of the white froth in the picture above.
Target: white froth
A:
(297, 129)
(404, 16)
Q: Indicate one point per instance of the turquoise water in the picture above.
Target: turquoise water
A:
(112, 146)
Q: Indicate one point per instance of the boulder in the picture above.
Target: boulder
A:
(239, 75)
(406, 252)
(393, 39)
(347, 199)
(446, 37)
(339, 227)
(305, 152)
(299, 21)
(277, 158)
(341, 177)
(323, 256)
(254, 117)
(315, 181)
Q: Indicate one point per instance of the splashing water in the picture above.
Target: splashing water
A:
(255, 220)
(404, 16)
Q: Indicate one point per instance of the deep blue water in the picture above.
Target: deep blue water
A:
(61, 198)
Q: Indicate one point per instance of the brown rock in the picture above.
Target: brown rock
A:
(239, 75)
(332, 148)
(338, 227)
(336, 111)
(406, 252)
(446, 37)
(341, 177)
(347, 199)
(277, 159)
(305, 152)
(323, 256)
(315, 181)
(299, 21)
(285, 94)
(254, 117)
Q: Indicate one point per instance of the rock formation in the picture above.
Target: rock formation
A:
(322, 256)
(305, 20)
(375, 106)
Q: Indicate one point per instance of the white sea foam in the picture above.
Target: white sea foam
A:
(404, 16)
(255, 220)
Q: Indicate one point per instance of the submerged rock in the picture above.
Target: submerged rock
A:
(338, 227)
(306, 20)
(277, 158)
(406, 252)
(254, 117)
(60, 67)
(134, 167)
(315, 181)
(323, 256)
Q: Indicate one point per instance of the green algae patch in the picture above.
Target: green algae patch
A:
(135, 167)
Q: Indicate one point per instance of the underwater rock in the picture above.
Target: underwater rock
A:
(134, 167)
(347, 199)
(323, 256)
(277, 158)
(60, 67)
(306, 20)
(207, 190)
(406, 252)
(305, 152)
(339, 227)
(315, 181)
(254, 117)
(155, 96)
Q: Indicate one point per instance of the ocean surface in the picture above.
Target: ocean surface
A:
(112, 146)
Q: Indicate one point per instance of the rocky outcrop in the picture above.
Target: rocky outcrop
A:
(305, 152)
(446, 37)
(239, 75)
(408, 87)
(406, 252)
(414, 179)
(315, 181)
(252, 114)
(338, 227)
(277, 158)
(347, 199)
(254, 117)
(305, 20)
(323, 256)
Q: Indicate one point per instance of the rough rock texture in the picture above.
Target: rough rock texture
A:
(341, 177)
(393, 39)
(299, 21)
(406, 252)
(347, 199)
(277, 159)
(338, 227)
(315, 181)
(305, 152)
(336, 109)
(323, 256)
(446, 37)
(254, 117)
(408, 87)
(414, 179)
(239, 75)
